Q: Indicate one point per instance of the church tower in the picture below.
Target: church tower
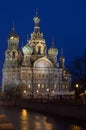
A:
(12, 54)
(12, 61)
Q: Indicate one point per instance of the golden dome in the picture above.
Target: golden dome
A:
(13, 35)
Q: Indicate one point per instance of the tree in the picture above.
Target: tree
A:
(78, 70)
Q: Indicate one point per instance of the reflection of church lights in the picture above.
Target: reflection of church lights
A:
(24, 119)
(24, 112)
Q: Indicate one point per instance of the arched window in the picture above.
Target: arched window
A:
(13, 55)
(39, 50)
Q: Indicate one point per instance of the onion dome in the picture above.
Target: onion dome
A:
(27, 50)
(53, 51)
(13, 35)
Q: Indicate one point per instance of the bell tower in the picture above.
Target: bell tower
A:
(12, 54)
(13, 40)
(12, 62)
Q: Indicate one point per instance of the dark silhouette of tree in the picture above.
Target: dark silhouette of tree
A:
(78, 70)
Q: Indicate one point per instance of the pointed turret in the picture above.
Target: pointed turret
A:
(13, 34)
(13, 39)
(36, 20)
(53, 52)
(62, 59)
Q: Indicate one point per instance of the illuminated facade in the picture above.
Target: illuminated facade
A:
(34, 70)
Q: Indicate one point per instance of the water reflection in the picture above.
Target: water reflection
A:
(31, 121)
(35, 122)
(47, 125)
(26, 120)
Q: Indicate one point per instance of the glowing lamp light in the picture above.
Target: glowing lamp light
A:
(47, 89)
(24, 91)
(77, 85)
(37, 91)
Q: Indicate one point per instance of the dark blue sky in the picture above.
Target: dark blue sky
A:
(63, 19)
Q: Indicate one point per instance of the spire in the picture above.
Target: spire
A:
(36, 12)
(62, 59)
(13, 34)
(61, 51)
(36, 20)
(52, 42)
(52, 50)
(13, 28)
(27, 37)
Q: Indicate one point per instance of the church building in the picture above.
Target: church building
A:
(34, 70)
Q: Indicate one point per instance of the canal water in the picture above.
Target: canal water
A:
(26, 120)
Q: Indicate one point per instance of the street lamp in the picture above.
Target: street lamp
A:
(25, 93)
(77, 91)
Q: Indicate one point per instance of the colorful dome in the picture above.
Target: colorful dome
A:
(27, 50)
(53, 51)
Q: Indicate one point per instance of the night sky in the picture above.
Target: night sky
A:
(63, 19)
